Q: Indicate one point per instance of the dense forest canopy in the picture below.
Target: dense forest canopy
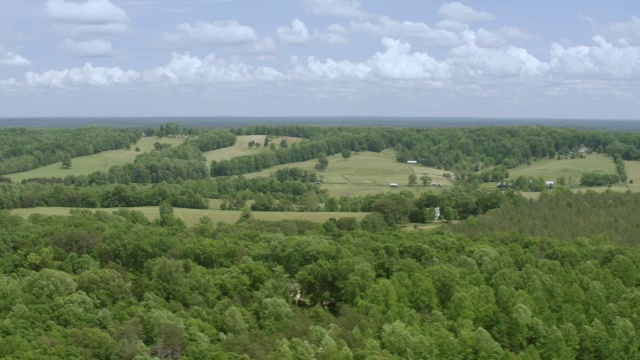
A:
(114, 286)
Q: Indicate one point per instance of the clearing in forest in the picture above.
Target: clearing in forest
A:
(367, 173)
(85, 165)
(241, 147)
(552, 169)
(192, 216)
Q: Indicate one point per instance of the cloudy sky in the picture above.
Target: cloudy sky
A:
(477, 58)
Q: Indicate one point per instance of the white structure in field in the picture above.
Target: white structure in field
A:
(393, 185)
(549, 183)
(412, 162)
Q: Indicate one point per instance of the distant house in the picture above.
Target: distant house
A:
(425, 172)
(393, 185)
(412, 162)
(437, 213)
(436, 184)
(583, 149)
(549, 183)
(452, 177)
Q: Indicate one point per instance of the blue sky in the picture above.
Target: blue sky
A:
(551, 59)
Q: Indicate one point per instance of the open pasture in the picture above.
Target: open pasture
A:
(97, 162)
(366, 173)
(552, 169)
(241, 147)
(192, 216)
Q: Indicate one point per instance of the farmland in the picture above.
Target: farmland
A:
(366, 173)
(98, 162)
(241, 147)
(192, 216)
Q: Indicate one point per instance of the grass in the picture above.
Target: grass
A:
(552, 169)
(192, 216)
(366, 173)
(241, 147)
(98, 162)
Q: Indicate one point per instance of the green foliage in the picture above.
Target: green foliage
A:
(168, 292)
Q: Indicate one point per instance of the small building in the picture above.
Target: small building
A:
(438, 213)
(583, 149)
(412, 162)
(425, 173)
(393, 185)
(436, 184)
(549, 183)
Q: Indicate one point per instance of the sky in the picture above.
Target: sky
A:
(575, 59)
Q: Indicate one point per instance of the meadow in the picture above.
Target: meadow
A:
(97, 162)
(366, 173)
(241, 147)
(552, 169)
(192, 216)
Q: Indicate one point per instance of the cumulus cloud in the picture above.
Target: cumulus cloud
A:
(212, 33)
(264, 47)
(622, 33)
(408, 30)
(335, 34)
(93, 17)
(462, 13)
(239, 38)
(185, 68)
(296, 34)
(397, 62)
(603, 59)
(88, 75)
(90, 48)
(11, 58)
(503, 37)
(337, 8)
(89, 12)
(473, 61)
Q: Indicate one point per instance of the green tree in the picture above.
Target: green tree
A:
(346, 153)
(284, 144)
(413, 180)
(426, 180)
(66, 161)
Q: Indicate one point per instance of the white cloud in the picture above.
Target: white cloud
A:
(600, 60)
(297, 34)
(337, 8)
(335, 34)
(463, 13)
(240, 39)
(89, 12)
(215, 33)
(501, 38)
(265, 46)
(473, 61)
(11, 58)
(397, 62)
(407, 30)
(88, 75)
(622, 33)
(90, 48)
(185, 68)
(93, 17)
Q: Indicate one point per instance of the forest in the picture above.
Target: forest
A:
(496, 276)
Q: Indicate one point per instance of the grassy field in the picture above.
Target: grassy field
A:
(241, 147)
(551, 169)
(98, 162)
(366, 173)
(192, 216)
(633, 172)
